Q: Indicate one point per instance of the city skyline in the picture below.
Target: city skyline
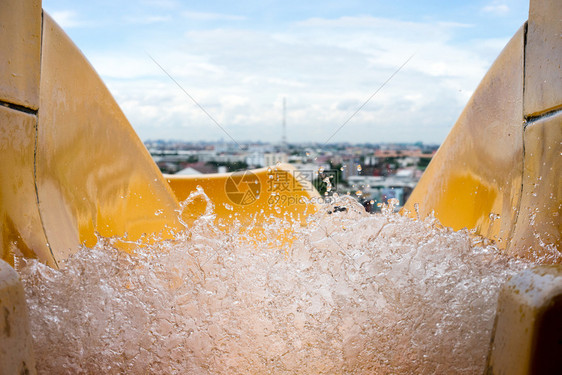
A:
(238, 61)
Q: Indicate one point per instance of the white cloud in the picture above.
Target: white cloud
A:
(497, 8)
(206, 16)
(456, 24)
(147, 19)
(162, 4)
(326, 68)
(67, 19)
(122, 66)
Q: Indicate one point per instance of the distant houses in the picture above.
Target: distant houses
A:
(372, 173)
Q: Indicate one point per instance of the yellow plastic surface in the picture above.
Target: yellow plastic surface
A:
(249, 201)
(20, 231)
(539, 226)
(77, 169)
(20, 51)
(543, 58)
(528, 328)
(474, 180)
(93, 172)
(498, 172)
(249, 197)
(16, 344)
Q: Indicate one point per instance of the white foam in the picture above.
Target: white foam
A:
(354, 293)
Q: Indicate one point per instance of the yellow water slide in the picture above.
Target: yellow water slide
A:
(72, 167)
(498, 171)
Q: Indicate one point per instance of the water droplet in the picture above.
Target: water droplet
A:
(349, 281)
(493, 217)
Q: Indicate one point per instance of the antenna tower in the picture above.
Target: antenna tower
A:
(284, 137)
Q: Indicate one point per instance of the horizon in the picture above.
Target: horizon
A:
(289, 144)
(329, 60)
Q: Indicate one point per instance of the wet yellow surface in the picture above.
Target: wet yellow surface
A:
(543, 58)
(498, 172)
(72, 167)
(539, 225)
(20, 43)
(77, 170)
(474, 180)
(21, 231)
(275, 191)
(93, 172)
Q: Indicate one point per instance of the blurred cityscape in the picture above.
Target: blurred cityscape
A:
(372, 173)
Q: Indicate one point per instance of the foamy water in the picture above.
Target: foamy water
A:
(354, 293)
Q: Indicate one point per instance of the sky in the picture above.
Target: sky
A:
(239, 59)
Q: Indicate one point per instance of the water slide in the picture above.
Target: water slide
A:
(498, 171)
(73, 169)
(73, 166)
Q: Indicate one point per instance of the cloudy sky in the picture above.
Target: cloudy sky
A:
(239, 59)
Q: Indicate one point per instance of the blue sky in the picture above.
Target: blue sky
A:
(240, 59)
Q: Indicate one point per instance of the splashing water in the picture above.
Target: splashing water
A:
(355, 293)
